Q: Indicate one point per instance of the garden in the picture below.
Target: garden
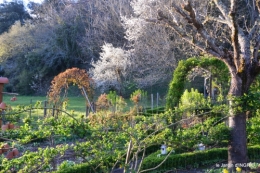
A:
(107, 100)
(59, 133)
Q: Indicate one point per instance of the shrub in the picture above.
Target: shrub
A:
(194, 159)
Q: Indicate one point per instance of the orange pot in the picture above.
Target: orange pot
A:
(9, 155)
(2, 105)
(5, 127)
(4, 80)
(10, 126)
(15, 152)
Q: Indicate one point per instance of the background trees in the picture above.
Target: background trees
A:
(65, 34)
(11, 12)
(61, 34)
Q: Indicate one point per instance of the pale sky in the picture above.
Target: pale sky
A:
(25, 1)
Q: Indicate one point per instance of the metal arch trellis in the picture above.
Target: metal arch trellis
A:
(70, 76)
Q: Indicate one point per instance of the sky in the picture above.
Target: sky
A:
(25, 1)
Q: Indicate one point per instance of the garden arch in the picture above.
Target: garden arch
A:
(176, 87)
(62, 81)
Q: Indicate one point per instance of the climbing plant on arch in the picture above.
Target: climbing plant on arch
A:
(61, 82)
(176, 87)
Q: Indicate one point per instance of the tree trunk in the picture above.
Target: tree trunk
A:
(237, 149)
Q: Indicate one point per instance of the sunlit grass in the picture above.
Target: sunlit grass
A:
(77, 105)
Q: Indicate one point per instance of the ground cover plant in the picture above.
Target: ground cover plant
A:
(59, 137)
(100, 141)
(55, 137)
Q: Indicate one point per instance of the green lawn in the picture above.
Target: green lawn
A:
(77, 104)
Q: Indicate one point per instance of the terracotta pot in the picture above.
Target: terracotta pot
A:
(4, 80)
(1, 122)
(5, 147)
(2, 105)
(10, 126)
(9, 155)
(5, 127)
(15, 152)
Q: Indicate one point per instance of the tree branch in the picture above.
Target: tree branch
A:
(192, 18)
(234, 34)
(256, 49)
(150, 169)
(224, 10)
(217, 20)
(254, 28)
(181, 33)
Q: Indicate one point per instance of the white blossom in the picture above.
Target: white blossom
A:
(111, 69)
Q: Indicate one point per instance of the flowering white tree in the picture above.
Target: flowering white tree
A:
(110, 71)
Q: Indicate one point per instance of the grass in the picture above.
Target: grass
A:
(75, 104)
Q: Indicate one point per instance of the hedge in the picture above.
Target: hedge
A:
(197, 159)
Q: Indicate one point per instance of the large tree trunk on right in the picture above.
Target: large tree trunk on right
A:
(237, 149)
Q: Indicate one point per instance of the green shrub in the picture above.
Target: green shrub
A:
(82, 168)
(176, 87)
(186, 160)
(194, 159)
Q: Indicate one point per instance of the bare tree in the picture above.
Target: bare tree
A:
(227, 30)
(155, 48)
(103, 24)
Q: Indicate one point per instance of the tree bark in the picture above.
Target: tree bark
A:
(237, 149)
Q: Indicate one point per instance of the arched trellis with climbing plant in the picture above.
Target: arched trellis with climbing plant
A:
(176, 87)
(62, 81)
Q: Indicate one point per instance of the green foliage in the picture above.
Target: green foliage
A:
(11, 12)
(105, 135)
(253, 130)
(211, 132)
(176, 87)
(247, 102)
(82, 168)
(34, 161)
(117, 102)
(66, 165)
(193, 100)
(193, 159)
